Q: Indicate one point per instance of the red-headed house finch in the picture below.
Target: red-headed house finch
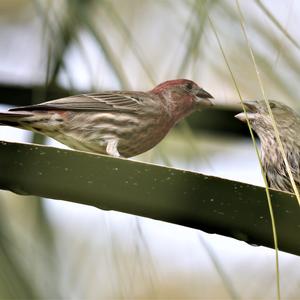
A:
(288, 124)
(118, 123)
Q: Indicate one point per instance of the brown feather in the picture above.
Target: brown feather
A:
(108, 101)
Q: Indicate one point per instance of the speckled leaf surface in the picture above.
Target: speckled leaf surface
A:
(211, 204)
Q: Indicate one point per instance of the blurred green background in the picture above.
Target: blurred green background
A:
(53, 249)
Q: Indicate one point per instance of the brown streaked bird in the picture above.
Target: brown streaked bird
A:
(288, 124)
(117, 123)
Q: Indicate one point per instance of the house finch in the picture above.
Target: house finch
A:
(288, 125)
(118, 123)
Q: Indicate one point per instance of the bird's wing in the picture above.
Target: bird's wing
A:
(107, 101)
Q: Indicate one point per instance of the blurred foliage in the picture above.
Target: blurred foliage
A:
(104, 44)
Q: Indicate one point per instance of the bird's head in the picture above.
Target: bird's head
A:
(260, 119)
(184, 94)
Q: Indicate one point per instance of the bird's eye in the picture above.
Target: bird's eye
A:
(272, 105)
(189, 86)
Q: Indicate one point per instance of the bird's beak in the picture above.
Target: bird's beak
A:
(251, 109)
(242, 117)
(204, 98)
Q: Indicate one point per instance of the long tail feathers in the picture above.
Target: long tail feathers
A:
(12, 118)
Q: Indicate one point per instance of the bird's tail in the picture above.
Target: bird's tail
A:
(13, 118)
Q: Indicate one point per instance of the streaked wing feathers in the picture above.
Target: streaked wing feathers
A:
(108, 101)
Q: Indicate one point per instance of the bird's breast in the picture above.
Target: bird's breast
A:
(138, 139)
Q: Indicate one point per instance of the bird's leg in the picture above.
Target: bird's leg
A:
(112, 148)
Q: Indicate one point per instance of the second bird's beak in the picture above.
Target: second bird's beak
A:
(204, 98)
(250, 109)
